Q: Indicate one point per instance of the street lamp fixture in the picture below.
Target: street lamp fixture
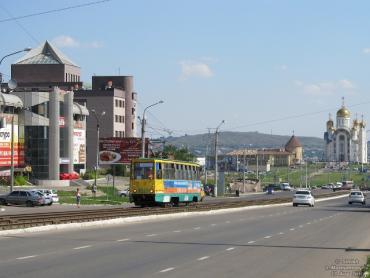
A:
(143, 121)
(216, 158)
(97, 117)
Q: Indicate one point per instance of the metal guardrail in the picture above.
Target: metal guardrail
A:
(8, 222)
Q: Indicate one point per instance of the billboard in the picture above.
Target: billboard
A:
(79, 146)
(5, 142)
(120, 150)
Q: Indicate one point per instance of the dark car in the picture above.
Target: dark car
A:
(22, 197)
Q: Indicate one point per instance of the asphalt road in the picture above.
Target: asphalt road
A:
(267, 242)
(12, 210)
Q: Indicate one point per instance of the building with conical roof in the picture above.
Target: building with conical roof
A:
(294, 146)
(45, 64)
(345, 142)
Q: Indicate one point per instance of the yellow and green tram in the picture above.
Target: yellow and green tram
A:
(161, 181)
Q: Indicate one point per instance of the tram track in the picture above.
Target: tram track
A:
(27, 220)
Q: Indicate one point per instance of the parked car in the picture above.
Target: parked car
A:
(52, 192)
(124, 193)
(285, 186)
(22, 197)
(356, 196)
(303, 197)
(48, 200)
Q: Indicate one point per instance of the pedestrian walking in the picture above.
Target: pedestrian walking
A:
(93, 190)
(78, 197)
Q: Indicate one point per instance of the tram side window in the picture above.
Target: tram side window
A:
(143, 171)
(158, 170)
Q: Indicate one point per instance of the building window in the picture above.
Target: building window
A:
(132, 126)
(133, 96)
(123, 119)
(66, 77)
(133, 111)
(116, 102)
(116, 133)
(116, 118)
(123, 103)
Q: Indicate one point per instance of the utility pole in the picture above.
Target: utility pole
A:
(216, 161)
(244, 170)
(306, 174)
(257, 164)
(205, 164)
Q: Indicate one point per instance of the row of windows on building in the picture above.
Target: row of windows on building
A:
(72, 77)
(119, 119)
(120, 103)
(119, 134)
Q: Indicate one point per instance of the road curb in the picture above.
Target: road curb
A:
(139, 219)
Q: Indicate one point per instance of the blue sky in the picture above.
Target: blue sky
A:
(249, 63)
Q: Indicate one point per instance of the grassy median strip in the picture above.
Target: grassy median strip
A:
(366, 269)
(110, 197)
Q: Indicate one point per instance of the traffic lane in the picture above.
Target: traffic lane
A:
(312, 251)
(186, 223)
(165, 247)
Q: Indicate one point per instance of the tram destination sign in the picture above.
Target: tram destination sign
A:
(120, 150)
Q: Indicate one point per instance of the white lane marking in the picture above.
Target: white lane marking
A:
(227, 222)
(26, 257)
(320, 219)
(267, 237)
(152, 235)
(123, 239)
(213, 225)
(203, 258)
(177, 231)
(82, 247)
(308, 223)
(271, 215)
(252, 241)
(300, 226)
(241, 219)
(196, 228)
(231, 248)
(292, 229)
(281, 233)
(167, 269)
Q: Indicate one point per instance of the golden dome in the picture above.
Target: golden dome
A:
(356, 123)
(343, 112)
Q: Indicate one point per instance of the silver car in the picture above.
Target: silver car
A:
(356, 197)
(303, 197)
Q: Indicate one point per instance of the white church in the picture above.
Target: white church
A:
(346, 142)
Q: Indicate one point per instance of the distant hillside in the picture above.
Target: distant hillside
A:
(235, 140)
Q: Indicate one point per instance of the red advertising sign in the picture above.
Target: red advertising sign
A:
(120, 150)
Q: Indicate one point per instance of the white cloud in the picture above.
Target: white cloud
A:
(366, 50)
(327, 87)
(283, 67)
(346, 84)
(195, 69)
(64, 41)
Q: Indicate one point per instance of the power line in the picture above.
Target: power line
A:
(54, 10)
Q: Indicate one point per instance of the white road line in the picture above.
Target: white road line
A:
(213, 225)
(26, 257)
(227, 222)
(267, 237)
(292, 229)
(123, 239)
(308, 223)
(231, 248)
(152, 235)
(177, 231)
(252, 241)
(271, 215)
(167, 269)
(281, 233)
(82, 247)
(196, 228)
(203, 258)
(241, 219)
(300, 226)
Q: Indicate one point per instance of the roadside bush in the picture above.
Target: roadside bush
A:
(20, 180)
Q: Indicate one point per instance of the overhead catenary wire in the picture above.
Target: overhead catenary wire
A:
(54, 10)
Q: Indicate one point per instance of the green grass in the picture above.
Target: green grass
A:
(110, 197)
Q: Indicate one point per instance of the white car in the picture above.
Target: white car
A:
(303, 197)
(356, 197)
(50, 192)
(124, 193)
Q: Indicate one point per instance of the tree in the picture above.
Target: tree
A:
(183, 154)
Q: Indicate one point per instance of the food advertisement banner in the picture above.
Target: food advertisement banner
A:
(5, 142)
(120, 150)
(79, 146)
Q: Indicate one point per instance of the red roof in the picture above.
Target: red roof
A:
(292, 144)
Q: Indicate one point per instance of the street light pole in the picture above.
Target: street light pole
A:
(97, 142)
(216, 158)
(12, 135)
(143, 122)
